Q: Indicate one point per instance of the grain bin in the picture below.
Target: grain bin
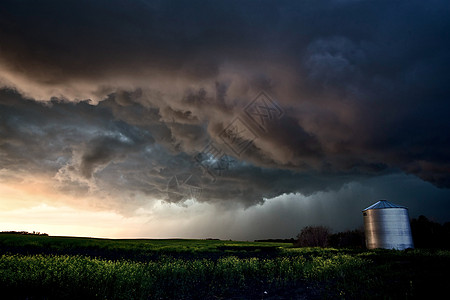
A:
(387, 226)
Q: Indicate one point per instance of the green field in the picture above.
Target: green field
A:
(44, 267)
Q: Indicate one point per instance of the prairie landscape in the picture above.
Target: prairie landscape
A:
(229, 125)
(47, 267)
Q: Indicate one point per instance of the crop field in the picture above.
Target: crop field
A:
(45, 267)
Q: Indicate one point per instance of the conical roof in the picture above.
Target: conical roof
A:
(383, 204)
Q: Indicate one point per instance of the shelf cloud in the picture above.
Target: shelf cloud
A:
(227, 102)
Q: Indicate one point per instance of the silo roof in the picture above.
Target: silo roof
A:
(383, 204)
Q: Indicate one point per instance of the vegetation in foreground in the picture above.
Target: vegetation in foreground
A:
(43, 267)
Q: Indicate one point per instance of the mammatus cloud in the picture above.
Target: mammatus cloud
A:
(107, 98)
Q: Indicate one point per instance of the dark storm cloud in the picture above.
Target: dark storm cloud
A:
(84, 147)
(362, 85)
(72, 39)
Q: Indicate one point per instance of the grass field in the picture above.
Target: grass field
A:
(43, 267)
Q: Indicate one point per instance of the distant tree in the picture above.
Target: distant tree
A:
(348, 239)
(23, 233)
(291, 240)
(313, 236)
(430, 234)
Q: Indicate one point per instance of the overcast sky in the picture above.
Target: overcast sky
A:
(226, 119)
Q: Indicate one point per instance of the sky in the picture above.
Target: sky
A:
(221, 119)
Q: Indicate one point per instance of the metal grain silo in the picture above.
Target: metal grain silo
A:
(387, 226)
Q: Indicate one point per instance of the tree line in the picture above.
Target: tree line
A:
(24, 233)
(425, 233)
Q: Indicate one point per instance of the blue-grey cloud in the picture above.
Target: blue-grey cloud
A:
(130, 94)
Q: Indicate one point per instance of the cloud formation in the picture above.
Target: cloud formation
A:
(116, 99)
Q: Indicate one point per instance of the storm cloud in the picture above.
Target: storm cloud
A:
(120, 99)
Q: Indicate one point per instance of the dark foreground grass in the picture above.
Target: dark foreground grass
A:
(168, 278)
(217, 270)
